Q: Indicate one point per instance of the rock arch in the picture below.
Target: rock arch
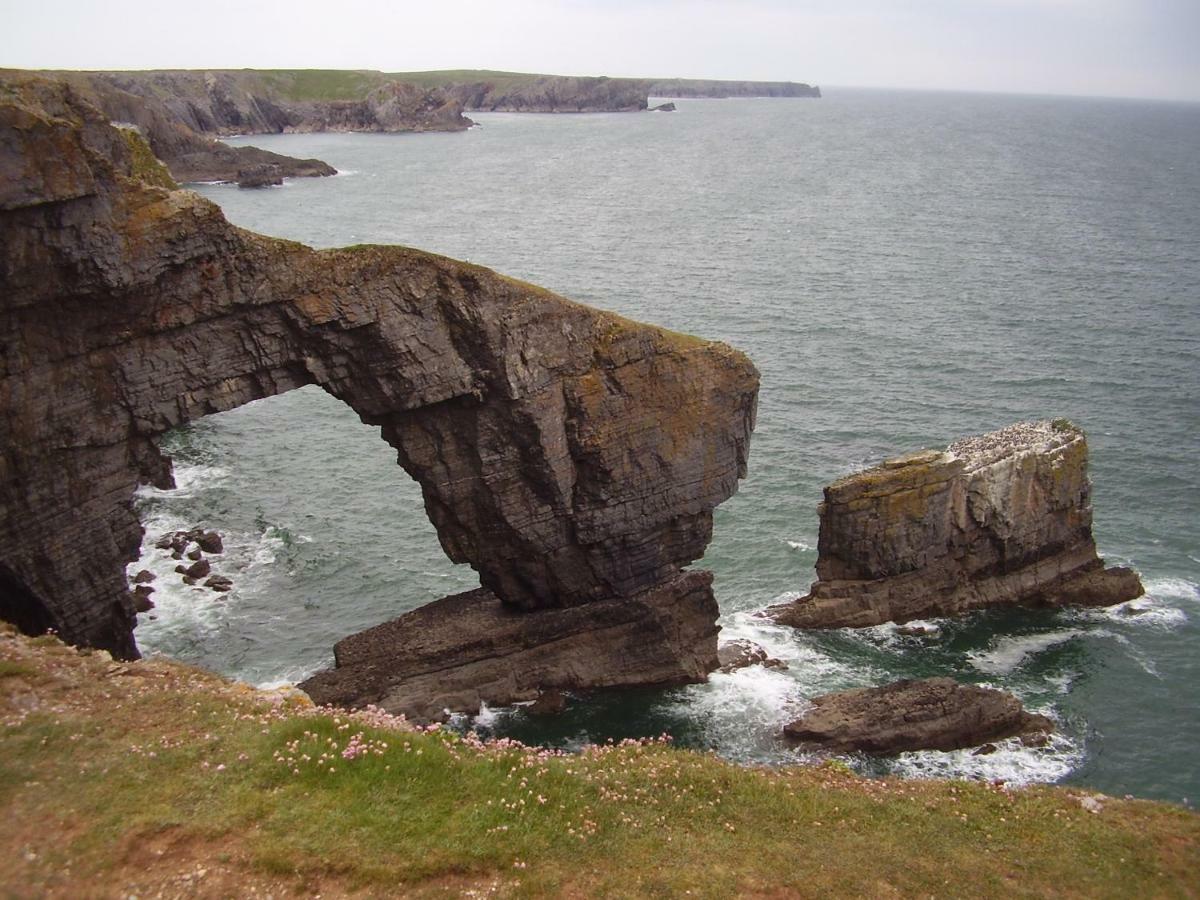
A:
(569, 455)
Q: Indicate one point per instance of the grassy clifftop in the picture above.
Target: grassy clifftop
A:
(152, 778)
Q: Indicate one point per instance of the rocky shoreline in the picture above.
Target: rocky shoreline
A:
(181, 113)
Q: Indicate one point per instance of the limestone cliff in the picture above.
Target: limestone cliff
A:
(570, 456)
(1003, 518)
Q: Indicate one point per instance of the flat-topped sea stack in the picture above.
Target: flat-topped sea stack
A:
(926, 714)
(572, 457)
(999, 519)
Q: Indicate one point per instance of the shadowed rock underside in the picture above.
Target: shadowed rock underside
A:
(569, 455)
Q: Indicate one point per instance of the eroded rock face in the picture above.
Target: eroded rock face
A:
(567, 454)
(930, 714)
(1002, 518)
(467, 649)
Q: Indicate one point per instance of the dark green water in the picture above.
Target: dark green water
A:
(904, 269)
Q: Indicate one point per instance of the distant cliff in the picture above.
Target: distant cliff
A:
(181, 112)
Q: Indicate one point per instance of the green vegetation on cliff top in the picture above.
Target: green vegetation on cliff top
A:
(153, 778)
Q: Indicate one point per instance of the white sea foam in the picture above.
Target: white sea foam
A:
(189, 480)
(802, 546)
(1165, 589)
(1008, 653)
(1012, 762)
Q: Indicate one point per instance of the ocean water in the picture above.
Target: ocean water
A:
(904, 268)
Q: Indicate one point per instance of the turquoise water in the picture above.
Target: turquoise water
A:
(904, 268)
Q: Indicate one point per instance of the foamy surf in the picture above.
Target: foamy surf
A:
(1010, 652)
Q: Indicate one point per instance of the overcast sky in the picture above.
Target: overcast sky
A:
(1131, 48)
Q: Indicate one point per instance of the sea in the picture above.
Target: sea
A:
(904, 268)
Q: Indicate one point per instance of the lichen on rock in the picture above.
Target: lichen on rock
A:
(995, 519)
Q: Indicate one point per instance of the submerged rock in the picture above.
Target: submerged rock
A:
(999, 519)
(548, 703)
(930, 714)
(468, 649)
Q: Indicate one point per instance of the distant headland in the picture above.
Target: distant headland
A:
(183, 112)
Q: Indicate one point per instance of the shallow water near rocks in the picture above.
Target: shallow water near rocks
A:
(904, 268)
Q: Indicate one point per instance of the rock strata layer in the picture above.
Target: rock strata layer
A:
(1002, 518)
(468, 649)
(567, 454)
(930, 714)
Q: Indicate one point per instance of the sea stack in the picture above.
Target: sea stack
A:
(999, 519)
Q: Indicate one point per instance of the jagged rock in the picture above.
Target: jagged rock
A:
(741, 653)
(145, 576)
(219, 583)
(569, 455)
(930, 714)
(210, 542)
(197, 570)
(1002, 518)
(548, 703)
(141, 598)
(258, 176)
(461, 651)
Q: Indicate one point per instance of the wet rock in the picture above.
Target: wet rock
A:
(219, 583)
(461, 651)
(985, 750)
(740, 653)
(195, 554)
(930, 714)
(210, 542)
(199, 569)
(663, 107)
(548, 703)
(141, 598)
(145, 576)
(917, 630)
(999, 519)
(189, 580)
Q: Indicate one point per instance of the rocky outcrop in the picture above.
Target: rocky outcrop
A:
(931, 714)
(172, 124)
(462, 651)
(259, 176)
(1003, 518)
(741, 654)
(570, 456)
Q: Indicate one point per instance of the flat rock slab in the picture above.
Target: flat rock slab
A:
(468, 649)
(929, 714)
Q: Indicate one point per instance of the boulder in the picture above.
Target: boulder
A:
(145, 576)
(999, 519)
(199, 569)
(141, 598)
(219, 583)
(740, 653)
(210, 542)
(930, 714)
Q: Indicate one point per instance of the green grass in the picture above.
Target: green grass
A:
(430, 813)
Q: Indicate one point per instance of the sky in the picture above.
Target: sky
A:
(1119, 48)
